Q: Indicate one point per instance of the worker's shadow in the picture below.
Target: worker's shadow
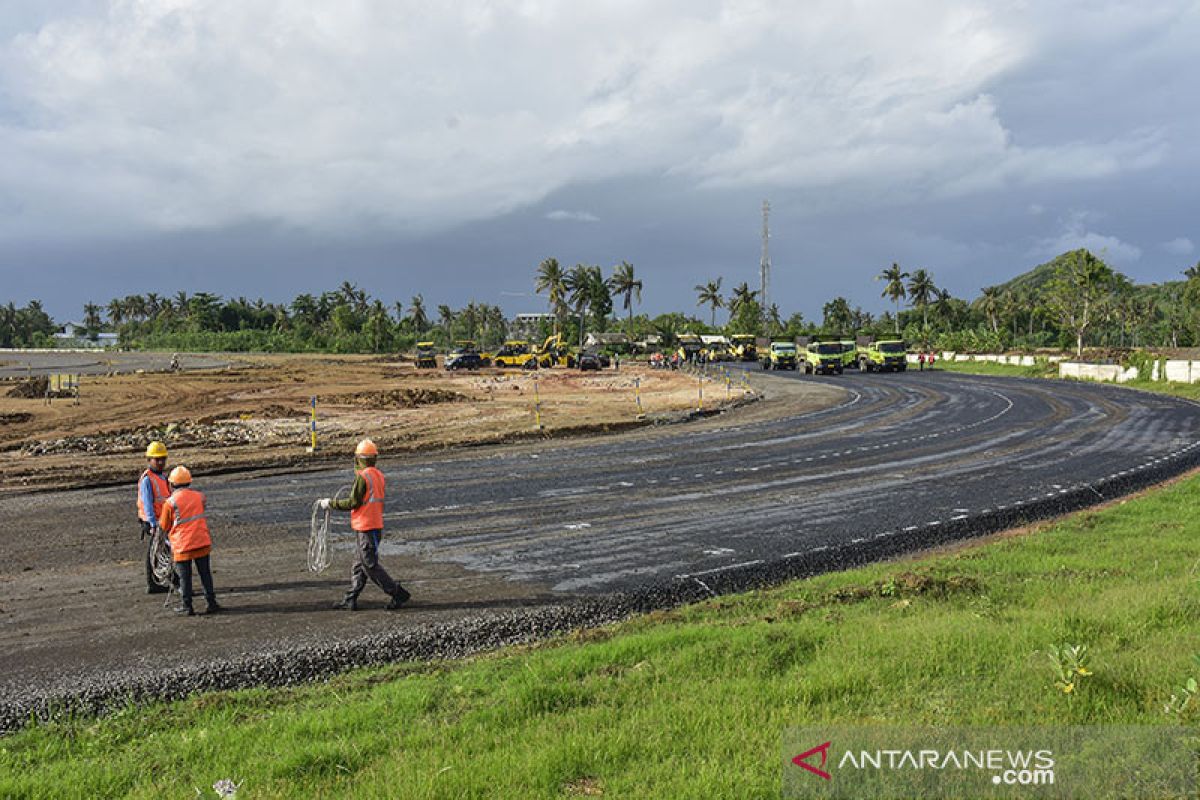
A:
(284, 587)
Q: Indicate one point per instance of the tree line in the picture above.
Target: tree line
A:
(1076, 300)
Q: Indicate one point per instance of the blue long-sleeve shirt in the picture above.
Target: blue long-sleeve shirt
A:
(146, 491)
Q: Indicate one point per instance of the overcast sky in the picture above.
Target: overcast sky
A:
(271, 147)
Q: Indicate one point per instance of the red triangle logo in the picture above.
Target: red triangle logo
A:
(802, 760)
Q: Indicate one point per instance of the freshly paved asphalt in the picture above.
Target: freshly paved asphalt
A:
(900, 454)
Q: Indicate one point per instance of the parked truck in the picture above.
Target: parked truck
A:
(884, 355)
(779, 355)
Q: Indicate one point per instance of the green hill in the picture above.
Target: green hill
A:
(1037, 278)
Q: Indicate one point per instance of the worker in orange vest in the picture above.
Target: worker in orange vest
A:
(183, 518)
(365, 505)
(153, 491)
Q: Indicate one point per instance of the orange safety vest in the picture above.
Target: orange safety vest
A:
(369, 516)
(190, 531)
(161, 491)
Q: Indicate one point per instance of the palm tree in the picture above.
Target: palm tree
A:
(894, 288)
(551, 281)
(710, 295)
(416, 313)
(116, 312)
(742, 294)
(625, 284)
(578, 285)
(446, 319)
(921, 291)
(91, 317)
(989, 304)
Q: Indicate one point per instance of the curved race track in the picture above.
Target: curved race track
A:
(502, 544)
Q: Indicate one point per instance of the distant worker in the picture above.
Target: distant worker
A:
(930, 360)
(183, 517)
(616, 359)
(365, 505)
(921, 361)
(153, 491)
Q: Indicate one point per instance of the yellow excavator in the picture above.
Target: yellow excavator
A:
(555, 352)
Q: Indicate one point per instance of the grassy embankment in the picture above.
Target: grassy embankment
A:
(693, 702)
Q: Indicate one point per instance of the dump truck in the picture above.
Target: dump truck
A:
(885, 355)
(849, 353)
(779, 355)
(745, 347)
(823, 357)
(426, 355)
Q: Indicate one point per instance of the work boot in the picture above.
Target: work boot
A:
(399, 598)
(154, 588)
(185, 610)
(214, 608)
(347, 604)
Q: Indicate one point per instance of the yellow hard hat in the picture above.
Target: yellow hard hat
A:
(366, 448)
(180, 476)
(156, 450)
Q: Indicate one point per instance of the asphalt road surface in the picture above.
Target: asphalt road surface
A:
(854, 468)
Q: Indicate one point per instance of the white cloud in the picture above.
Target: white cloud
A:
(1181, 246)
(1076, 233)
(177, 114)
(560, 215)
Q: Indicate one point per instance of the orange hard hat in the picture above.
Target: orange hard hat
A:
(366, 448)
(180, 476)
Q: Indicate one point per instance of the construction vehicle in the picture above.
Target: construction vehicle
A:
(716, 348)
(690, 347)
(779, 355)
(745, 347)
(426, 355)
(849, 353)
(515, 353)
(555, 352)
(823, 357)
(885, 355)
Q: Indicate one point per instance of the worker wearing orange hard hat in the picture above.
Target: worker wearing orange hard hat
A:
(153, 491)
(365, 505)
(184, 518)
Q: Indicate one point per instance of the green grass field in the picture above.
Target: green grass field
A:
(693, 702)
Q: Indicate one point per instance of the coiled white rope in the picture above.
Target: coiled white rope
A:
(162, 564)
(318, 537)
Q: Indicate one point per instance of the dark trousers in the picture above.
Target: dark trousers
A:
(366, 565)
(184, 570)
(148, 536)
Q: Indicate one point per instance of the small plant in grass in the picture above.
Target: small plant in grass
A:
(1070, 666)
(1184, 696)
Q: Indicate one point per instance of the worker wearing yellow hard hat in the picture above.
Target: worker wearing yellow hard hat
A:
(365, 505)
(152, 492)
(185, 519)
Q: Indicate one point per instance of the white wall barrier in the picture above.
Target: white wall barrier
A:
(1183, 371)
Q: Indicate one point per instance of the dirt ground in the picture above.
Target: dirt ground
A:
(255, 413)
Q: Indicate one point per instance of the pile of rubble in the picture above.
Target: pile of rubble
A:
(395, 398)
(177, 434)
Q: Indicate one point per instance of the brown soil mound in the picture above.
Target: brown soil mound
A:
(396, 398)
(31, 388)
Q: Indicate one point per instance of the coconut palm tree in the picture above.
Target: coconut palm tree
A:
(417, 314)
(894, 288)
(742, 294)
(578, 285)
(990, 303)
(552, 281)
(921, 291)
(710, 295)
(625, 284)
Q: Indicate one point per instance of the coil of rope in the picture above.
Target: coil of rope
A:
(318, 537)
(161, 562)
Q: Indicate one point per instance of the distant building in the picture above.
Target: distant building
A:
(72, 334)
(526, 326)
